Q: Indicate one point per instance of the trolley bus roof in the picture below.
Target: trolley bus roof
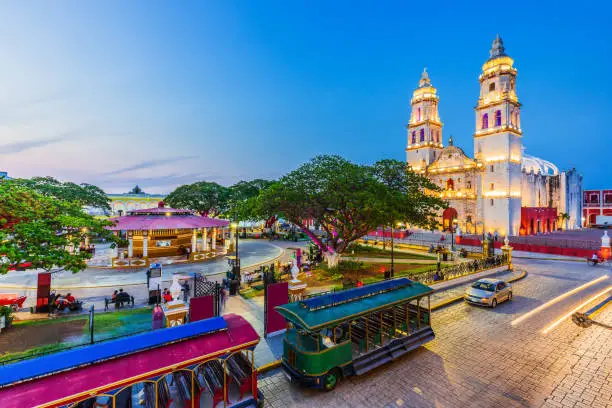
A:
(81, 356)
(330, 309)
(181, 346)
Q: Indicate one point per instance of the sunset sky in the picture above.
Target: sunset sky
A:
(159, 93)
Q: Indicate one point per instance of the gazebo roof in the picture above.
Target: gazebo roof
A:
(162, 217)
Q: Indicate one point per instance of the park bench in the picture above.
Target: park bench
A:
(164, 399)
(119, 302)
(182, 383)
(241, 371)
(210, 377)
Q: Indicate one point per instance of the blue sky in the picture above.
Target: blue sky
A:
(163, 93)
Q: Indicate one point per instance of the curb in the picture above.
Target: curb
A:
(8, 286)
(548, 259)
(460, 298)
(269, 366)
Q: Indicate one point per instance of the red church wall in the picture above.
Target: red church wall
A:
(536, 220)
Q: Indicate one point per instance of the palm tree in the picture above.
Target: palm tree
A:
(562, 217)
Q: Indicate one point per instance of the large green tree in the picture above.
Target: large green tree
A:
(242, 200)
(44, 230)
(82, 194)
(348, 200)
(206, 198)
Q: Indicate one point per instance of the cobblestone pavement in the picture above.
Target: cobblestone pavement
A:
(479, 359)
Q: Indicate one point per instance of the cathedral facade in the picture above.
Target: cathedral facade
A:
(500, 189)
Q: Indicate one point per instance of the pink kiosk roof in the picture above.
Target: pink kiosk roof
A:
(162, 217)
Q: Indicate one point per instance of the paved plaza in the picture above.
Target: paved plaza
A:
(479, 359)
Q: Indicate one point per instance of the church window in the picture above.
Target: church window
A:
(414, 136)
(469, 184)
(492, 202)
(422, 135)
(498, 118)
(485, 121)
(492, 168)
(418, 114)
(492, 186)
(459, 179)
(491, 86)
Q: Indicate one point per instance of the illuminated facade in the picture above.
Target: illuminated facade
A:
(500, 189)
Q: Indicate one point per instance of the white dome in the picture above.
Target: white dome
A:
(535, 164)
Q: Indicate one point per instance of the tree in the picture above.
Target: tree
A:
(81, 194)
(564, 217)
(136, 190)
(44, 230)
(209, 199)
(349, 200)
(242, 203)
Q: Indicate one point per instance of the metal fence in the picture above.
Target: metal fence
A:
(444, 273)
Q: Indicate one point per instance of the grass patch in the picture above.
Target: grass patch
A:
(34, 351)
(41, 322)
(370, 251)
(251, 293)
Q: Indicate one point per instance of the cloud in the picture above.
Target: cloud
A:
(18, 147)
(149, 164)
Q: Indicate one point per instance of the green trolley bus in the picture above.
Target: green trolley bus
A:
(351, 332)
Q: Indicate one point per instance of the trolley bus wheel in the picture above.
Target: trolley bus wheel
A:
(332, 378)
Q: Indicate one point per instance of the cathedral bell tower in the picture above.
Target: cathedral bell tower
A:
(424, 128)
(497, 142)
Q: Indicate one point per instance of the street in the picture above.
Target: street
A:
(479, 359)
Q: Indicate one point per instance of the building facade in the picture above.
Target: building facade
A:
(596, 202)
(500, 189)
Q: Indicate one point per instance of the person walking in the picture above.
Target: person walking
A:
(223, 294)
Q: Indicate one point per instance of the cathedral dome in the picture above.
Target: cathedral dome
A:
(537, 165)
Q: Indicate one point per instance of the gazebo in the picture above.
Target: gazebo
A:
(166, 232)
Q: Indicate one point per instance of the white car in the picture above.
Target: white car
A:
(488, 292)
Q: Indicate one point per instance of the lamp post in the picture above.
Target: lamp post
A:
(453, 223)
(392, 274)
(236, 271)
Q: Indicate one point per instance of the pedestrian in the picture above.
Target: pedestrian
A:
(223, 299)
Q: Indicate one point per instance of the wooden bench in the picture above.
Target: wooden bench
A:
(118, 303)
(164, 399)
(210, 377)
(241, 371)
(182, 382)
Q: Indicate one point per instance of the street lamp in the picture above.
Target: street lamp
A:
(234, 225)
(453, 224)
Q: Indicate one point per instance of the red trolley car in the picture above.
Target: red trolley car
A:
(209, 363)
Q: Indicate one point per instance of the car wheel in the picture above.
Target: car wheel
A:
(494, 303)
(510, 296)
(331, 379)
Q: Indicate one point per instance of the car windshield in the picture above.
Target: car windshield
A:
(489, 287)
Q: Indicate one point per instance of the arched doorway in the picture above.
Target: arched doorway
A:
(450, 184)
(448, 216)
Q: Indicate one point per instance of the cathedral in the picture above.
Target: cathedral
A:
(501, 189)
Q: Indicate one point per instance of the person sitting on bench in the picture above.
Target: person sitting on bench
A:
(122, 297)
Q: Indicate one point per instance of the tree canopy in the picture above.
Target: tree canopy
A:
(82, 194)
(349, 200)
(242, 204)
(42, 229)
(206, 198)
